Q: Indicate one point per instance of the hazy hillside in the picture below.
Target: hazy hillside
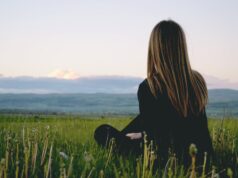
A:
(92, 84)
(221, 102)
(222, 95)
(43, 85)
(71, 103)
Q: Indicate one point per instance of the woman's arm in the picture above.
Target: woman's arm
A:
(133, 126)
(148, 110)
(141, 124)
(147, 121)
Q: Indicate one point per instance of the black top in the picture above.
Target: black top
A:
(168, 129)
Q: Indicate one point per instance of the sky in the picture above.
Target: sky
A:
(70, 39)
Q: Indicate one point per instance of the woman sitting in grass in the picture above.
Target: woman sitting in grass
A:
(172, 102)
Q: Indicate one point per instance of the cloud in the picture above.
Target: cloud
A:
(64, 74)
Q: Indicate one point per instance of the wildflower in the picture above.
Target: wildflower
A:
(87, 156)
(193, 150)
(66, 157)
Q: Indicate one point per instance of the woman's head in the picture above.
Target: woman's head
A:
(168, 68)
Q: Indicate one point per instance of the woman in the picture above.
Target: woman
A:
(172, 102)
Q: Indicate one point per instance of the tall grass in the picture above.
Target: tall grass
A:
(52, 146)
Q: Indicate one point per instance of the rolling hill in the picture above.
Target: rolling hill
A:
(222, 102)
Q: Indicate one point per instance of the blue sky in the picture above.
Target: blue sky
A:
(83, 38)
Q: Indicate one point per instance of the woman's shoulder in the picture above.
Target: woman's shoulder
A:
(198, 76)
(144, 85)
(145, 88)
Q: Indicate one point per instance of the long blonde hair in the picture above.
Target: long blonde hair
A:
(168, 69)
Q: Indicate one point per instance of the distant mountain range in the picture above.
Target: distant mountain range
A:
(98, 84)
(103, 95)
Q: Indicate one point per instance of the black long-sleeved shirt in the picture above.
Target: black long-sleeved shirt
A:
(162, 123)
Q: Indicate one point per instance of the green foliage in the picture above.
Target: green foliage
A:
(63, 146)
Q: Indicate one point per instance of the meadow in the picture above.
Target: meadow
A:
(64, 147)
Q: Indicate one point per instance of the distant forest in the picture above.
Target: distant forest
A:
(222, 102)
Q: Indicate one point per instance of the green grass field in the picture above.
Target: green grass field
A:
(63, 146)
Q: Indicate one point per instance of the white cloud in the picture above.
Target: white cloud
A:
(64, 74)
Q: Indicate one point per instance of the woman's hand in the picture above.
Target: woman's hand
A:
(134, 135)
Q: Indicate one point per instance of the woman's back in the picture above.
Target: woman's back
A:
(163, 124)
